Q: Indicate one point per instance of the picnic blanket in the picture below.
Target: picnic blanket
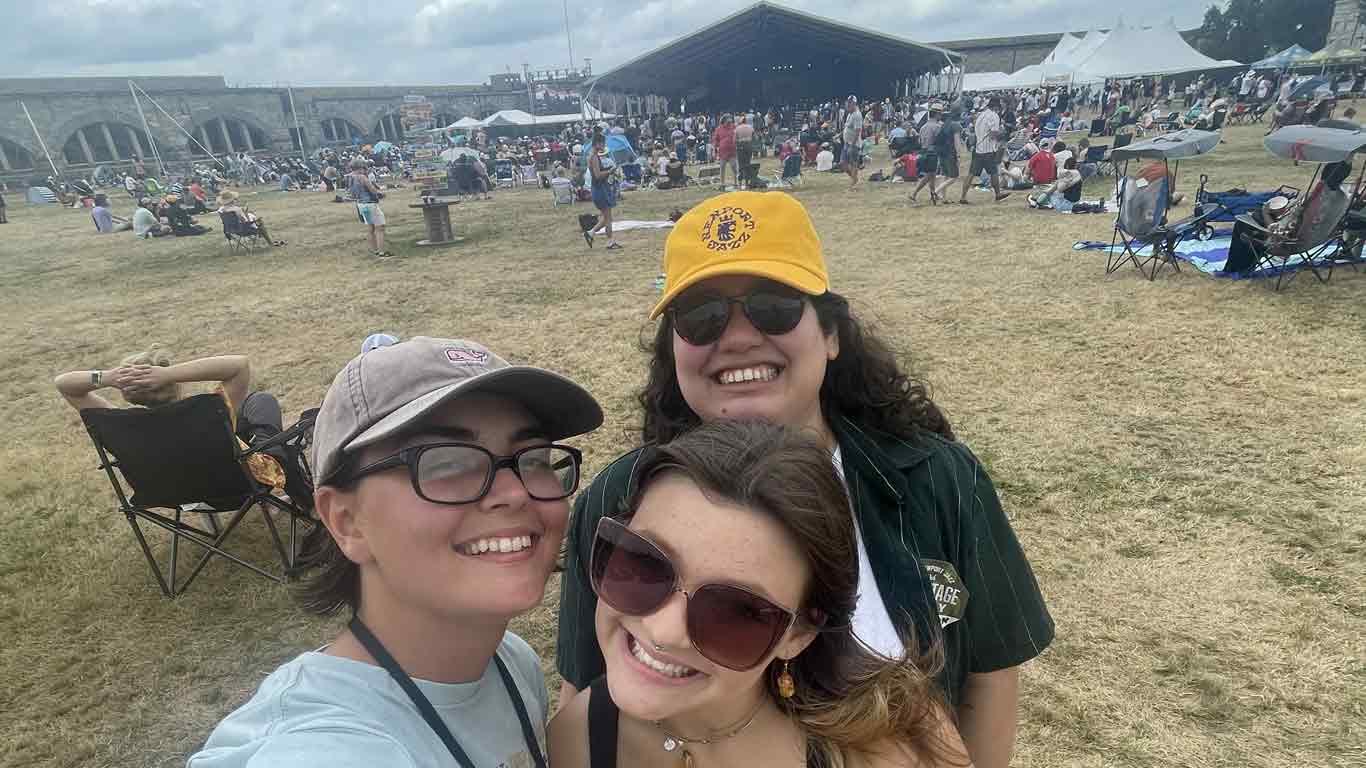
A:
(625, 226)
(1208, 256)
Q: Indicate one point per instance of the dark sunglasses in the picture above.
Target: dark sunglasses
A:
(701, 317)
(727, 624)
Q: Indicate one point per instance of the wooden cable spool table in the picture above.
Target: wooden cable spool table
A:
(436, 215)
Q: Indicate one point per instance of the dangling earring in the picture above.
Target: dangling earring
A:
(786, 687)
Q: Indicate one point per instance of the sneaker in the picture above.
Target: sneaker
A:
(614, 246)
(383, 254)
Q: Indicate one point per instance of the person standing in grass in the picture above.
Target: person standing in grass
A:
(851, 158)
(750, 328)
(602, 172)
(985, 152)
(367, 196)
(3, 218)
(442, 492)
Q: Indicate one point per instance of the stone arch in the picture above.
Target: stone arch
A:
(338, 130)
(389, 127)
(105, 142)
(15, 157)
(225, 133)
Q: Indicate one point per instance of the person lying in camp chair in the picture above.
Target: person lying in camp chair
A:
(148, 379)
(1305, 233)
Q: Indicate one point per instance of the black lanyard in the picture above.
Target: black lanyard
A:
(380, 654)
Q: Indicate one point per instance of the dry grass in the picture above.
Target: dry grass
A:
(1182, 459)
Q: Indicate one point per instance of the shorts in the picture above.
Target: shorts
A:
(984, 162)
(850, 155)
(371, 214)
(604, 196)
(948, 166)
(927, 163)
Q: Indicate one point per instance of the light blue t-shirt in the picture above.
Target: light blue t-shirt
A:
(325, 711)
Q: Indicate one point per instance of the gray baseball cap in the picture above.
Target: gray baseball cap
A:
(387, 390)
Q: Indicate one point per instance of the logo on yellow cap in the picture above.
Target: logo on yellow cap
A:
(728, 228)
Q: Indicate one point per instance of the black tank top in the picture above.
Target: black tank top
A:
(603, 716)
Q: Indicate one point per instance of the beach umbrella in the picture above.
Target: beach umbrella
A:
(451, 154)
(1306, 90)
(381, 147)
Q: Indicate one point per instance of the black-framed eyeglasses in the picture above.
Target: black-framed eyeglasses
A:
(700, 317)
(463, 473)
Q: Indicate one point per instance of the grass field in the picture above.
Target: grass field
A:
(1183, 459)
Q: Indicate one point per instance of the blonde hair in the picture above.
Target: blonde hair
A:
(870, 704)
(155, 356)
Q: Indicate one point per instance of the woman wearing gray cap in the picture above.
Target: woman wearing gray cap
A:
(444, 493)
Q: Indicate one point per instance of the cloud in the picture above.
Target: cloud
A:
(335, 42)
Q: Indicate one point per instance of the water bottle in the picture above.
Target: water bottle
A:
(659, 282)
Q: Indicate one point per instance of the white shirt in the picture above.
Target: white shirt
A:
(987, 124)
(825, 160)
(1061, 158)
(872, 624)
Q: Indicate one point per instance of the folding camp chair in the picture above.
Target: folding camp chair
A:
(529, 175)
(239, 234)
(1241, 114)
(1143, 204)
(562, 190)
(1096, 156)
(1314, 242)
(185, 453)
(504, 173)
(1318, 240)
(1107, 166)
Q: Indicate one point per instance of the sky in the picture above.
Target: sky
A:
(421, 42)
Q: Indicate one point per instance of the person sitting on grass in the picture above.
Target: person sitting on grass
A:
(179, 218)
(443, 492)
(1043, 167)
(105, 220)
(145, 221)
(1053, 195)
(148, 379)
(247, 222)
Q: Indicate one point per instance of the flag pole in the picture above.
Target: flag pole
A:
(147, 128)
(41, 143)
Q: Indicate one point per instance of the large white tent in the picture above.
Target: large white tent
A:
(1138, 52)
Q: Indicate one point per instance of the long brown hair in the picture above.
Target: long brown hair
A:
(865, 383)
(848, 700)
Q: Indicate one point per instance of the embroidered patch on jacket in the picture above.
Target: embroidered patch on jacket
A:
(949, 591)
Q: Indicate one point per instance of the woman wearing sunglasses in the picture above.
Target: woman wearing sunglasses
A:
(725, 593)
(751, 329)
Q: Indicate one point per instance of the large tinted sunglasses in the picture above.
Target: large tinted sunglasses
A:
(463, 473)
(729, 625)
(700, 317)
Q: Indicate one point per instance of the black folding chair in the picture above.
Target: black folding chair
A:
(185, 453)
(240, 234)
(1108, 166)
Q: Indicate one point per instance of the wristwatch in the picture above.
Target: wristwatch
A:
(95, 377)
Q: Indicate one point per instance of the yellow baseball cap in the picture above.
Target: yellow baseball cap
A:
(764, 234)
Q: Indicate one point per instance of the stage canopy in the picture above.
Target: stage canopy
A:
(767, 54)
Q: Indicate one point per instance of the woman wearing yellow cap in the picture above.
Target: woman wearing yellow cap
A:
(750, 329)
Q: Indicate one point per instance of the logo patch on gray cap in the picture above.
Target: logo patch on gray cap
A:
(466, 355)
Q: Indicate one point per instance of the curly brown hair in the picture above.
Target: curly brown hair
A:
(865, 383)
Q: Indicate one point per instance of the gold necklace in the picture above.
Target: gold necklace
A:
(672, 742)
